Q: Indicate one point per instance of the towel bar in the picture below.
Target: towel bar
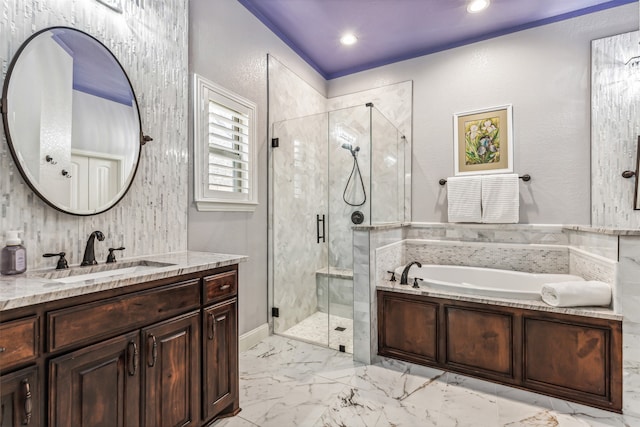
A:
(525, 177)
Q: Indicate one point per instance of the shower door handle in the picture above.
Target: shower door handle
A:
(318, 235)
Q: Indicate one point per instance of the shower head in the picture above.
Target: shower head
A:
(352, 150)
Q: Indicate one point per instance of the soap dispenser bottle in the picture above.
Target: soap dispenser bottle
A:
(13, 258)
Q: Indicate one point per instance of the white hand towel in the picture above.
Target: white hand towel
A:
(576, 294)
(501, 199)
(463, 195)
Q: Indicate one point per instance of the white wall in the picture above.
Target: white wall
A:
(229, 46)
(545, 73)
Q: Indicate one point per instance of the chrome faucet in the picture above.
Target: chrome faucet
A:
(89, 257)
(405, 272)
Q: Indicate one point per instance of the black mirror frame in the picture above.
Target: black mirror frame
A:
(3, 109)
(636, 196)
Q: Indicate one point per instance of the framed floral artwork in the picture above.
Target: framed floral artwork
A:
(483, 141)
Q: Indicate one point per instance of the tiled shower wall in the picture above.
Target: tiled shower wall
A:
(615, 126)
(295, 172)
(150, 39)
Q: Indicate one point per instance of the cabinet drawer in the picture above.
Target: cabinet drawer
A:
(102, 319)
(18, 342)
(220, 286)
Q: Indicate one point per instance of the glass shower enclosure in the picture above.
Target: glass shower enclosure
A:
(331, 171)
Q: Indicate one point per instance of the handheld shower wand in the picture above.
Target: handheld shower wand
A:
(353, 151)
(355, 170)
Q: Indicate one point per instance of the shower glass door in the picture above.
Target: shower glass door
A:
(387, 162)
(300, 222)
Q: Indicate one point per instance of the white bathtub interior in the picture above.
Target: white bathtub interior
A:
(483, 281)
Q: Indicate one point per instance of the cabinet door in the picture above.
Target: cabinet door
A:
(20, 398)
(172, 372)
(97, 386)
(220, 364)
(407, 328)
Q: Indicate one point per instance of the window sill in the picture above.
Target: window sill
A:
(210, 206)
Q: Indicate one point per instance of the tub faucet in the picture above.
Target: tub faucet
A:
(89, 257)
(405, 272)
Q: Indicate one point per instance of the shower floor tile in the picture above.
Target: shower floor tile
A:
(314, 329)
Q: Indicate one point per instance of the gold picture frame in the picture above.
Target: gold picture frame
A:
(483, 141)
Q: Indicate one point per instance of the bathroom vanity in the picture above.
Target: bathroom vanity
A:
(153, 348)
(550, 351)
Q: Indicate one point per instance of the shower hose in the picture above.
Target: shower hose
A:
(355, 171)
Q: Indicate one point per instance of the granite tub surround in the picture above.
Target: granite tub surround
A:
(424, 290)
(592, 252)
(37, 287)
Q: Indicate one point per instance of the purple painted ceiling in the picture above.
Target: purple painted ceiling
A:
(395, 30)
(95, 69)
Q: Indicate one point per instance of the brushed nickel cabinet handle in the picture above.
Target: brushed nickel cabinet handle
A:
(28, 405)
(154, 351)
(3, 349)
(133, 358)
(224, 287)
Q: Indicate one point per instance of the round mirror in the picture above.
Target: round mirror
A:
(72, 121)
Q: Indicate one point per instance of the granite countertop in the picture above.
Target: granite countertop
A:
(38, 286)
(603, 230)
(600, 312)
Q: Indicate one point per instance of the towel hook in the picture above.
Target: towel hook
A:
(526, 177)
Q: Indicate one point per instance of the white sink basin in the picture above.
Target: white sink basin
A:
(108, 271)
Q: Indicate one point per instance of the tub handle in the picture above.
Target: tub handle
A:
(393, 275)
(415, 282)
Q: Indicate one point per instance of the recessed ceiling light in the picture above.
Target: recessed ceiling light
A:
(348, 39)
(476, 6)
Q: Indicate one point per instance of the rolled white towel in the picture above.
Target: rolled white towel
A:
(577, 293)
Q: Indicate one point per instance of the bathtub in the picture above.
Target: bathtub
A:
(483, 281)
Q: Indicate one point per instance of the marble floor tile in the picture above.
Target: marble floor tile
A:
(289, 383)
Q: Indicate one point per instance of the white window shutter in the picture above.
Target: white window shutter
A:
(224, 149)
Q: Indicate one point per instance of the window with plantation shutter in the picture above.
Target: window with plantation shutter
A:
(224, 149)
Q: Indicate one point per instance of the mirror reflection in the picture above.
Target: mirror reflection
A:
(72, 121)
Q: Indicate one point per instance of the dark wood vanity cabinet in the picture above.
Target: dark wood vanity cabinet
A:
(573, 357)
(220, 359)
(157, 354)
(98, 385)
(171, 371)
(20, 398)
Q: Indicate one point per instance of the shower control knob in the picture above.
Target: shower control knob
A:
(357, 217)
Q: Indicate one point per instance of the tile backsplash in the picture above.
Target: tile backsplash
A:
(150, 39)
